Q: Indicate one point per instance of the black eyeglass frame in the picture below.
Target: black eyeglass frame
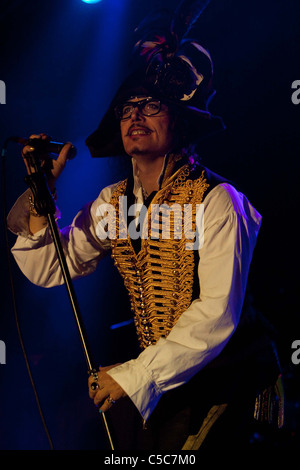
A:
(136, 104)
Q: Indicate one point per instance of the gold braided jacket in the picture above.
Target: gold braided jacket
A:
(160, 277)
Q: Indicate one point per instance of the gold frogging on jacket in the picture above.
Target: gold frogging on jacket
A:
(160, 278)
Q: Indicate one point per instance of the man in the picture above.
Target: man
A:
(204, 358)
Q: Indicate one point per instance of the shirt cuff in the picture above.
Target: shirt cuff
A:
(18, 218)
(141, 388)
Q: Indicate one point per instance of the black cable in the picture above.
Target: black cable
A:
(3, 155)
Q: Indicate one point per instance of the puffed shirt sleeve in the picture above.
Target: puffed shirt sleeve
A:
(84, 242)
(231, 227)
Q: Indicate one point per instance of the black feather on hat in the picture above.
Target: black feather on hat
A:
(168, 66)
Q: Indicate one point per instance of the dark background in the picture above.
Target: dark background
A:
(61, 61)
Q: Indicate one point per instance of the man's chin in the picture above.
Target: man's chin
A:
(137, 150)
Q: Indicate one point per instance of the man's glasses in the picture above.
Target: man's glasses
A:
(146, 106)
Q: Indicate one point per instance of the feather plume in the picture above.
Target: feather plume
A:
(186, 15)
(162, 32)
(154, 36)
(163, 47)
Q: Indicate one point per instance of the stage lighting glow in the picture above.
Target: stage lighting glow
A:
(91, 1)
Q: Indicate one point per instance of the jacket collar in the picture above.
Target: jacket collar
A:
(172, 163)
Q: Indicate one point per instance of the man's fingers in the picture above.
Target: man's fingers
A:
(104, 403)
(108, 403)
(99, 398)
(28, 158)
(65, 154)
(29, 148)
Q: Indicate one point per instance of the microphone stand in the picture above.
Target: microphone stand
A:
(45, 206)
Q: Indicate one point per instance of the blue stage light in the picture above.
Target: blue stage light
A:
(91, 1)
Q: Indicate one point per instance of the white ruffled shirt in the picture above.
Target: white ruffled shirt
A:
(231, 226)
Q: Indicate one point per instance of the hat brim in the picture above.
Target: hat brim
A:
(106, 140)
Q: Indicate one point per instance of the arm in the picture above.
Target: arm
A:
(36, 255)
(203, 330)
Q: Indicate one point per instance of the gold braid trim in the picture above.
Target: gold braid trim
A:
(160, 278)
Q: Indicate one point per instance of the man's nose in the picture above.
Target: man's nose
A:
(136, 114)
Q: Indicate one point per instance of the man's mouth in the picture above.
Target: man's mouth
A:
(135, 131)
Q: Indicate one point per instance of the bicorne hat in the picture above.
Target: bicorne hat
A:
(170, 67)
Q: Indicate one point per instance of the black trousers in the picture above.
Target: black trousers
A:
(243, 369)
(181, 412)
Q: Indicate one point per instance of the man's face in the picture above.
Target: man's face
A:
(151, 136)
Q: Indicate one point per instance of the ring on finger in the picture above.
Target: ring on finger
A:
(94, 385)
(111, 401)
(94, 374)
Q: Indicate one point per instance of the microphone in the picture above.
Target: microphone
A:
(45, 146)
